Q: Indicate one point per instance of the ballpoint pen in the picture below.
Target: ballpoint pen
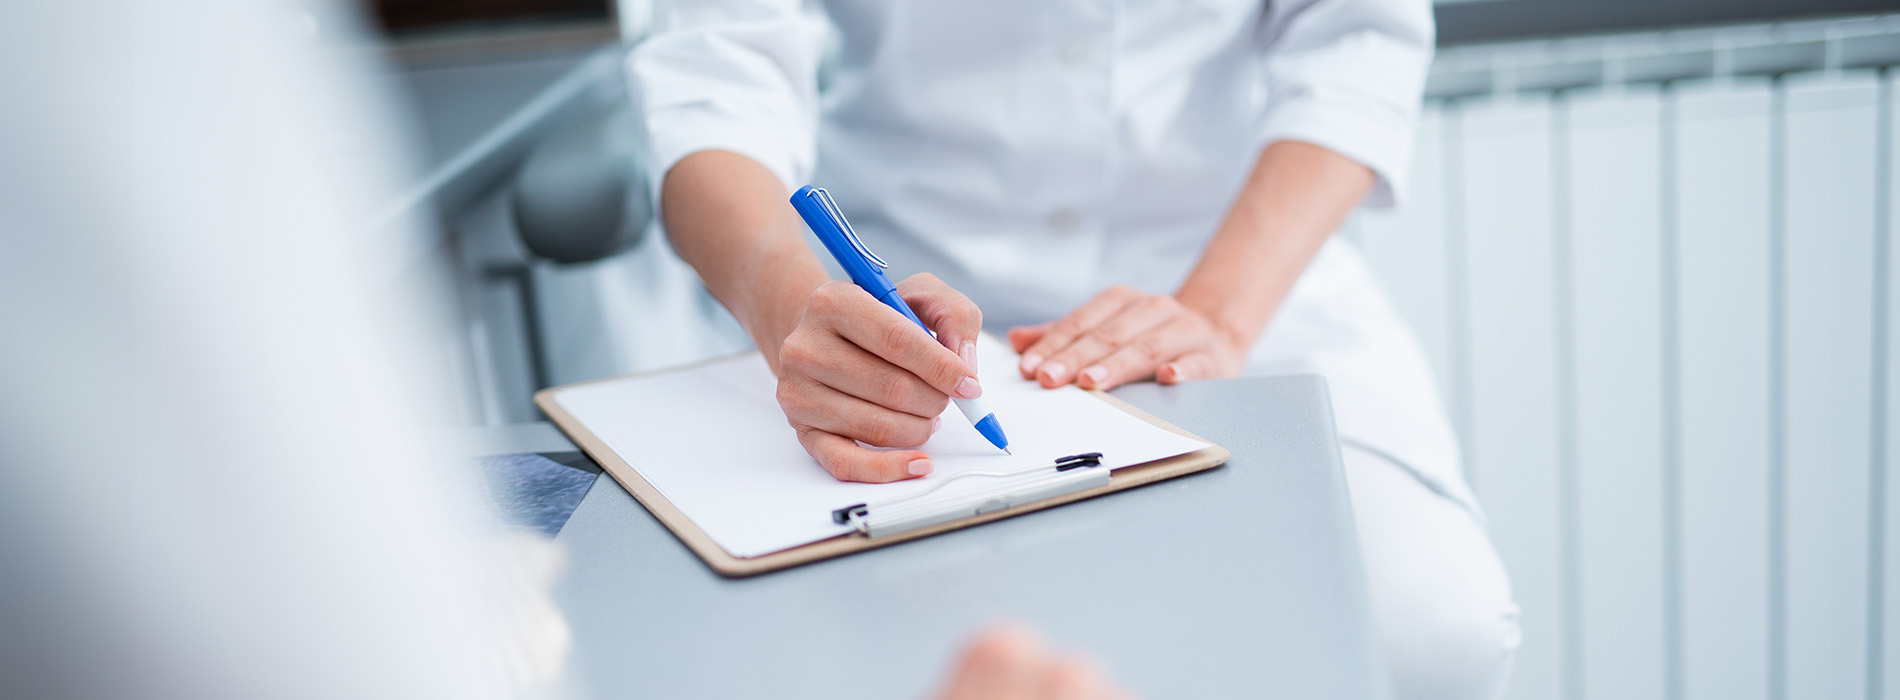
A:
(867, 271)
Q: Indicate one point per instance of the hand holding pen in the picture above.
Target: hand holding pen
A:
(856, 370)
(896, 360)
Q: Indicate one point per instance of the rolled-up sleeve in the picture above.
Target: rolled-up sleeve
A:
(732, 75)
(1348, 75)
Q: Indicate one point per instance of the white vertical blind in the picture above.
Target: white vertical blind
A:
(1721, 221)
(1887, 653)
(1828, 253)
(1613, 226)
(1507, 193)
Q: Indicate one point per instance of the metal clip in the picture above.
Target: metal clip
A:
(856, 512)
(837, 216)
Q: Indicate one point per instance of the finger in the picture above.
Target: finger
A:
(1021, 337)
(849, 461)
(1073, 678)
(1198, 364)
(947, 311)
(852, 313)
(850, 369)
(1066, 329)
(1140, 358)
(808, 403)
(1098, 342)
(1000, 663)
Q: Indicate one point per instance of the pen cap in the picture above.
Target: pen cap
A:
(827, 221)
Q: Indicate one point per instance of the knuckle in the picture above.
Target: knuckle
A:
(894, 334)
(795, 352)
(878, 429)
(893, 390)
(1148, 348)
(887, 429)
(966, 312)
(822, 303)
(792, 400)
(907, 431)
(1059, 334)
(841, 466)
(842, 469)
(948, 369)
(807, 440)
(1101, 335)
(829, 296)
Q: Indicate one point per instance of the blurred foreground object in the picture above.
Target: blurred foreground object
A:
(213, 482)
(1008, 662)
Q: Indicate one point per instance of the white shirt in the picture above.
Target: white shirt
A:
(1033, 153)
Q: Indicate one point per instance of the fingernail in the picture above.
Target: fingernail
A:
(968, 353)
(1031, 361)
(918, 467)
(936, 423)
(1057, 371)
(1096, 375)
(968, 388)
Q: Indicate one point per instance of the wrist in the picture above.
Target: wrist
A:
(779, 295)
(1233, 327)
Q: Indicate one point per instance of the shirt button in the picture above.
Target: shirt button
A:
(1077, 52)
(1064, 221)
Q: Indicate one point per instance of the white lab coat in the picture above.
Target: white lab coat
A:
(1033, 153)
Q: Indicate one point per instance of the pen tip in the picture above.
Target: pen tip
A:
(1007, 452)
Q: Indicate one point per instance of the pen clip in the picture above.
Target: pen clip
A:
(837, 217)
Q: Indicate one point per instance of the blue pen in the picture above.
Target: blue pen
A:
(867, 270)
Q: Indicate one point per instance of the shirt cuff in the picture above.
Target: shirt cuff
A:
(680, 131)
(1367, 130)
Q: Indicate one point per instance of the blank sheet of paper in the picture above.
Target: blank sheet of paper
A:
(712, 439)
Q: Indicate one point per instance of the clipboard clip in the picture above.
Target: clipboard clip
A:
(1067, 475)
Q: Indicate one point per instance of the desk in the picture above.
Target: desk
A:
(1244, 580)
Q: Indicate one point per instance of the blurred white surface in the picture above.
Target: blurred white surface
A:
(212, 476)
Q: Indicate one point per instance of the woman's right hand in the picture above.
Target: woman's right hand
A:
(855, 370)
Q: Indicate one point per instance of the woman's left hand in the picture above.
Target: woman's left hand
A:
(1125, 335)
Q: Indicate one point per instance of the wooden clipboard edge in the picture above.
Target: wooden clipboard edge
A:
(730, 566)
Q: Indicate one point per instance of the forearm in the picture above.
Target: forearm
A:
(727, 216)
(1297, 195)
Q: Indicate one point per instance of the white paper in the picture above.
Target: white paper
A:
(713, 440)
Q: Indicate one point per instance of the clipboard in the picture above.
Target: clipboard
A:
(725, 564)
